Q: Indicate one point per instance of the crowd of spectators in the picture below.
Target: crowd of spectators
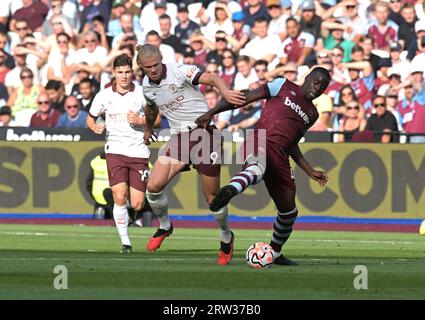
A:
(55, 55)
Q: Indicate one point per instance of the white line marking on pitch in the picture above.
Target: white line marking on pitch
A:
(88, 235)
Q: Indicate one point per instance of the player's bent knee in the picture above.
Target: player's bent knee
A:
(120, 198)
(137, 205)
(154, 187)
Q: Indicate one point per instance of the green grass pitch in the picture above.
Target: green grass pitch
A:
(185, 267)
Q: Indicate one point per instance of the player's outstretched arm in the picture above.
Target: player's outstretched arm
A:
(151, 115)
(250, 96)
(319, 176)
(232, 96)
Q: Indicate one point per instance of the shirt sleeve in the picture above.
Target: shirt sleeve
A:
(309, 40)
(188, 73)
(97, 106)
(275, 86)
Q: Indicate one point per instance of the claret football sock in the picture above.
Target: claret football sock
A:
(121, 222)
(252, 174)
(282, 228)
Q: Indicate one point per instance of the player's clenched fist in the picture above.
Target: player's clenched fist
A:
(320, 176)
(133, 118)
(98, 128)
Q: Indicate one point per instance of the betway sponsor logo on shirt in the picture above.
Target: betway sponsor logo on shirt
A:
(297, 109)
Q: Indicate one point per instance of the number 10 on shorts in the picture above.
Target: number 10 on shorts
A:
(144, 174)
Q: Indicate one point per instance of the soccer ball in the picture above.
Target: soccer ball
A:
(260, 255)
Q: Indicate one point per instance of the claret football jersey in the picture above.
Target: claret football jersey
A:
(287, 114)
(177, 96)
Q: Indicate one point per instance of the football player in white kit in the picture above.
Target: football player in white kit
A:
(173, 90)
(126, 154)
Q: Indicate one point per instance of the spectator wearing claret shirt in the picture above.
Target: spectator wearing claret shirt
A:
(297, 45)
(45, 116)
(412, 110)
(382, 29)
(34, 12)
(228, 67)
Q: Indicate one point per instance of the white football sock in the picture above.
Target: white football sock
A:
(121, 222)
(221, 216)
(159, 205)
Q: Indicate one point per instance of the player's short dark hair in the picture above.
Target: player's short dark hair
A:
(63, 34)
(261, 62)
(244, 59)
(152, 33)
(86, 80)
(99, 18)
(357, 48)
(378, 96)
(291, 19)
(121, 61)
(164, 16)
(129, 47)
(54, 85)
(260, 19)
(323, 72)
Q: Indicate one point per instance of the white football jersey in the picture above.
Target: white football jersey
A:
(176, 96)
(121, 137)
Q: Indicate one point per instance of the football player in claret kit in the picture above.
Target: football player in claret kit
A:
(173, 89)
(288, 113)
(126, 154)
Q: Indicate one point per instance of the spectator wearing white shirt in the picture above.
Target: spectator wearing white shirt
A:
(126, 23)
(92, 53)
(167, 52)
(246, 74)
(279, 10)
(149, 17)
(222, 22)
(60, 64)
(263, 46)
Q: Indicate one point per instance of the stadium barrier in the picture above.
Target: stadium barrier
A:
(366, 181)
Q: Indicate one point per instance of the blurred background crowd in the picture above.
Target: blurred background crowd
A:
(55, 55)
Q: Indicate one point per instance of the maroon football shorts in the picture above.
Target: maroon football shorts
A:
(279, 175)
(198, 147)
(133, 171)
